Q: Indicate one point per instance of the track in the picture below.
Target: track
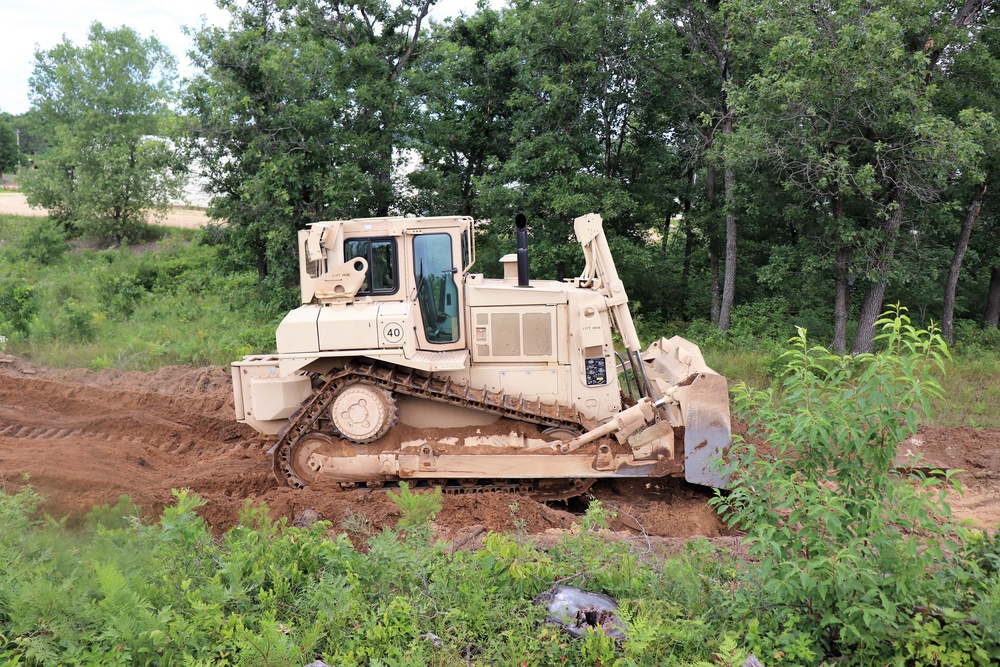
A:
(83, 438)
(305, 422)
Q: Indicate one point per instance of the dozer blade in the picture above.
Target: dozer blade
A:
(697, 400)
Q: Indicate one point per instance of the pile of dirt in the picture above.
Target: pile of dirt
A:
(82, 438)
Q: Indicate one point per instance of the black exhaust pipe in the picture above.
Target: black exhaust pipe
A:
(522, 250)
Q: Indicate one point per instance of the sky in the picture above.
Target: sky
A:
(29, 24)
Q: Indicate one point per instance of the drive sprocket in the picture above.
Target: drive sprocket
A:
(362, 413)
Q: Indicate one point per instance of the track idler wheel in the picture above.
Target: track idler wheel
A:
(300, 452)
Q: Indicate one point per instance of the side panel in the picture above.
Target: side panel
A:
(395, 327)
(297, 332)
(348, 327)
(514, 334)
(594, 383)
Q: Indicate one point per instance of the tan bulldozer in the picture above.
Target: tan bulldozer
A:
(402, 364)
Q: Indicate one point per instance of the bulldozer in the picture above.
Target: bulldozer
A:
(401, 364)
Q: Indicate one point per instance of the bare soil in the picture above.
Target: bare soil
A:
(82, 438)
(14, 203)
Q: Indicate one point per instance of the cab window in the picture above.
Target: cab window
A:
(434, 270)
(380, 253)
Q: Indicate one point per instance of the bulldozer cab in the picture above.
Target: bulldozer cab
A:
(421, 262)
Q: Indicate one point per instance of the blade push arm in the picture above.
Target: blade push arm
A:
(601, 274)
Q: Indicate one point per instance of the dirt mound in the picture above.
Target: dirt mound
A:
(82, 438)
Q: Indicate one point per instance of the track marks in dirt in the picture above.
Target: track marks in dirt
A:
(88, 438)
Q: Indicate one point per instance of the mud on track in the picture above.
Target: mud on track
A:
(83, 438)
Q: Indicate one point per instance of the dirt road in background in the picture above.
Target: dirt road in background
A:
(83, 438)
(12, 203)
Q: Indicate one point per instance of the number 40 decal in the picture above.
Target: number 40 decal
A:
(392, 332)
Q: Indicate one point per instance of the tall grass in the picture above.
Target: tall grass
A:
(136, 308)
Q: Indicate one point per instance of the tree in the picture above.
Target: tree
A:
(9, 156)
(106, 104)
(297, 114)
(465, 83)
(586, 129)
(972, 82)
(843, 105)
(576, 89)
(706, 70)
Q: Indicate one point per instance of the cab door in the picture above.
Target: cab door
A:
(439, 298)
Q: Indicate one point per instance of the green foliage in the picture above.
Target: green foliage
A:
(78, 322)
(18, 305)
(114, 516)
(418, 509)
(118, 293)
(9, 153)
(265, 593)
(122, 591)
(180, 308)
(43, 243)
(833, 425)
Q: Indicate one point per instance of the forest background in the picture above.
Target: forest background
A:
(758, 164)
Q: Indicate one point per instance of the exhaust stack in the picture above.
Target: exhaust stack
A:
(522, 250)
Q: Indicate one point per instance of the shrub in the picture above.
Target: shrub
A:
(972, 340)
(78, 321)
(118, 292)
(847, 545)
(43, 242)
(18, 305)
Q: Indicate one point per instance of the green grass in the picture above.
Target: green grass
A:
(971, 393)
(131, 308)
(738, 366)
(971, 383)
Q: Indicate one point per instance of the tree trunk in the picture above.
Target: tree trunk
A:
(666, 235)
(842, 287)
(728, 119)
(948, 310)
(688, 244)
(713, 243)
(383, 187)
(871, 308)
(993, 301)
(729, 284)
(714, 262)
(864, 338)
(688, 251)
(688, 248)
(841, 300)
(261, 264)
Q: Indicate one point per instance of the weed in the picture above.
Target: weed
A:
(357, 525)
(417, 509)
(520, 523)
